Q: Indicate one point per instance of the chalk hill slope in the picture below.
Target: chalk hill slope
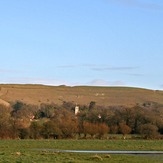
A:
(107, 96)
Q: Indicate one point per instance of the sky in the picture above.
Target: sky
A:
(82, 42)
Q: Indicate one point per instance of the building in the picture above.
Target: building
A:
(77, 110)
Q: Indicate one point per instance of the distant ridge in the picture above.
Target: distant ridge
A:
(107, 96)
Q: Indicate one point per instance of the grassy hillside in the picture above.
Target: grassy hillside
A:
(36, 94)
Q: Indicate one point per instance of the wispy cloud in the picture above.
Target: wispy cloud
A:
(139, 4)
(161, 86)
(113, 68)
(6, 71)
(100, 82)
(67, 66)
(136, 74)
(76, 66)
(29, 80)
(99, 67)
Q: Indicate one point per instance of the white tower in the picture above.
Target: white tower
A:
(77, 110)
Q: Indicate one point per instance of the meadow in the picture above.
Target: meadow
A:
(33, 151)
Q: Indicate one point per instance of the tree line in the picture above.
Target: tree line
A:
(24, 121)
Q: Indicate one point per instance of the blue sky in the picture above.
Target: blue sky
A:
(82, 42)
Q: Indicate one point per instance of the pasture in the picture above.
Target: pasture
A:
(33, 151)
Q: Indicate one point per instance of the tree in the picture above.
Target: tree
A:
(46, 111)
(124, 129)
(68, 125)
(66, 121)
(5, 130)
(35, 130)
(50, 130)
(23, 114)
(18, 105)
(114, 129)
(90, 128)
(148, 131)
(93, 116)
(102, 130)
(68, 105)
(92, 105)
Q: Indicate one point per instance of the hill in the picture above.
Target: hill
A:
(107, 96)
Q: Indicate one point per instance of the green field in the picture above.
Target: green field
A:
(23, 151)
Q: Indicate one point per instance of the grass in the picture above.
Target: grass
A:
(22, 151)
(36, 94)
